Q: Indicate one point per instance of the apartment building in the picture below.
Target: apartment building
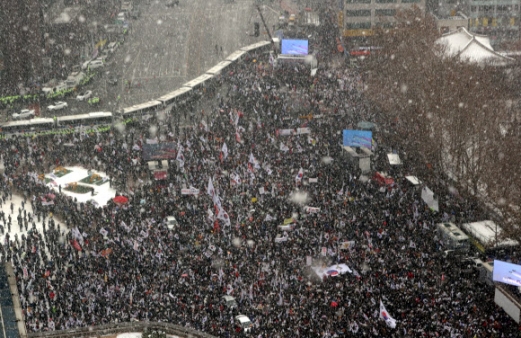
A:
(359, 17)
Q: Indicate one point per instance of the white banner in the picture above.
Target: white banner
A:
(190, 191)
(288, 132)
(311, 210)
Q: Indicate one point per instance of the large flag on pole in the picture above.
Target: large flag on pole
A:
(180, 157)
(224, 150)
(223, 216)
(299, 176)
(390, 321)
(210, 189)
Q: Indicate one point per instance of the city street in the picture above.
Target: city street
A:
(168, 46)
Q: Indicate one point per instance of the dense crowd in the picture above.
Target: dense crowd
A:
(131, 266)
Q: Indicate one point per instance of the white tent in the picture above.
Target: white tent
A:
(473, 48)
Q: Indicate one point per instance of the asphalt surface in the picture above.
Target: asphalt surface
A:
(169, 46)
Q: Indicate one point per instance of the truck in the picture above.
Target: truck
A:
(74, 79)
(453, 237)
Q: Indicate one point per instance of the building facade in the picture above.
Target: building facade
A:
(497, 18)
(359, 17)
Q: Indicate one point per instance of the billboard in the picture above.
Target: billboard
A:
(294, 47)
(507, 273)
(159, 151)
(358, 138)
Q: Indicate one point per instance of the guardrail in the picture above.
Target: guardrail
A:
(108, 329)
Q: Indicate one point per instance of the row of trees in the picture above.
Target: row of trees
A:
(458, 118)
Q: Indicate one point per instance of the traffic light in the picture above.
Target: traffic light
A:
(256, 29)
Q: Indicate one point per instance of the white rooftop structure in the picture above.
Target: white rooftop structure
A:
(473, 48)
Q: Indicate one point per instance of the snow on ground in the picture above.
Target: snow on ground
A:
(15, 229)
(138, 335)
(102, 193)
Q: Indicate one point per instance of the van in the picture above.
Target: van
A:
(171, 222)
(112, 47)
(229, 302)
(453, 237)
(95, 64)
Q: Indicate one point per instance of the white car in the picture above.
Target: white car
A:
(24, 114)
(244, 323)
(171, 222)
(95, 64)
(58, 105)
(84, 96)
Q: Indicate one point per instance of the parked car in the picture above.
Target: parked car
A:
(243, 323)
(24, 114)
(112, 80)
(172, 3)
(59, 105)
(84, 96)
(135, 14)
(171, 222)
(94, 64)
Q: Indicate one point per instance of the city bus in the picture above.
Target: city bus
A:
(139, 111)
(90, 119)
(32, 126)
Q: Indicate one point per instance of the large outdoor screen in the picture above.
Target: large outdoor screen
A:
(507, 273)
(295, 47)
(358, 138)
(161, 151)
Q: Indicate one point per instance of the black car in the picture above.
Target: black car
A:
(135, 14)
(172, 3)
(112, 81)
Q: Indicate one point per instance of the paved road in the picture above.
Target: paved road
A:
(167, 47)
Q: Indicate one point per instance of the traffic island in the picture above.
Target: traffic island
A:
(94, 179)
(61, 171)
(78, 188)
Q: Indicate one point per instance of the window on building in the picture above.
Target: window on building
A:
(360, 12)
(358, 25)
(385, 12)
(410, 1)
(384, 1)
(359, 1)
(385, 24)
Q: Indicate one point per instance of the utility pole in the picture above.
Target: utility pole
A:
(267, 30)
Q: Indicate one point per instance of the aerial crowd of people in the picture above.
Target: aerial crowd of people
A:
(267, 212)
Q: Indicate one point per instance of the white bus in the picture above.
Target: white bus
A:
(32, 126)
(142, 109)
(90, 119)
(176, 96)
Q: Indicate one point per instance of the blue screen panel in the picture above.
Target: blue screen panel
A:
(295, 47)
(358, 138)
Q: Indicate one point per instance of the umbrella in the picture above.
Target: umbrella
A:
(334, 304)
(120, 200)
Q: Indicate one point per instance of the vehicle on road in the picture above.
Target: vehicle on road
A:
(172, 3)
(74, 79)
(59, 105)
(84, 96)
(112, 47)
(94, 64)
(90, 119)
(135, 14)
(112, 80)
(24, 114)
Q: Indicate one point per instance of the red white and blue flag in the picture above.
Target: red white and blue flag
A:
(390, 321)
